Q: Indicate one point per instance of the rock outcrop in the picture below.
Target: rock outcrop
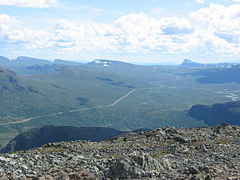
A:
(166, 153)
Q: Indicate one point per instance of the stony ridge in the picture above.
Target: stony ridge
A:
(50, 134)
(166, 153)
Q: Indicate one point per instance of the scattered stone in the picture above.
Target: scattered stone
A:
(168, 153)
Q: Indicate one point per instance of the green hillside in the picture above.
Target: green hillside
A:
(67, 89)
(61, 90)
(105, 94)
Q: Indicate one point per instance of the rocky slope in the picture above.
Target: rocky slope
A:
(48, 134)
(167, 153)
(37, 137)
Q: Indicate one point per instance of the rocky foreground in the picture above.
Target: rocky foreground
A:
(167, 153)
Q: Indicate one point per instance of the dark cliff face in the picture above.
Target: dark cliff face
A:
(217, 113)
(49, 134)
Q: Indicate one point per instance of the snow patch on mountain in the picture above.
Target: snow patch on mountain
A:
(104, 63)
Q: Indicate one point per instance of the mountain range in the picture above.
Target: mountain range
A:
(28, 61)
(107, 93)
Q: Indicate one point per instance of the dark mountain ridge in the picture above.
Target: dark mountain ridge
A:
(28, 61)
(217, 113)
(23, 61)
(49, 134)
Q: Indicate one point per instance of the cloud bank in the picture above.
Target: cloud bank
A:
(200, 1)
(211, 30)
(29, 3)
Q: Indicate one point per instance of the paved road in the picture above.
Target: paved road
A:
(75, 110)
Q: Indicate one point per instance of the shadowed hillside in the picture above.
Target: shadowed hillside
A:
(48, 134)
(224, 74)
(218, 113)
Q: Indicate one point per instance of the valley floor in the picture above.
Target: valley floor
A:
(75, 110)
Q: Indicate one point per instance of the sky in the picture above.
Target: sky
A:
(137, 31)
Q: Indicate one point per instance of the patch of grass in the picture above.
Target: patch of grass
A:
(51, 150)
(198, 143)
(224, 140)
(159, 153)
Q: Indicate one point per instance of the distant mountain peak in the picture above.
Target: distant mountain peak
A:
(28, 61)
(22, 58)
(190, 63)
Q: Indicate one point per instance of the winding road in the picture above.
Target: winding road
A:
(75, 110)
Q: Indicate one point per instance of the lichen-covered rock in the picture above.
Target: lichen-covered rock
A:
(137, 165)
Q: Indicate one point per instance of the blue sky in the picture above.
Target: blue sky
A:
(138, 31)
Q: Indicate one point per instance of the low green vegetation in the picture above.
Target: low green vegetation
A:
(163, 96)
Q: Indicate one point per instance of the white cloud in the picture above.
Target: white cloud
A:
(211, 30)
(200, 1)
(12, 33)
(203, 1)
(5, 23)
(219, 26)
(130, 33)
(141, 32)
(29, 3)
